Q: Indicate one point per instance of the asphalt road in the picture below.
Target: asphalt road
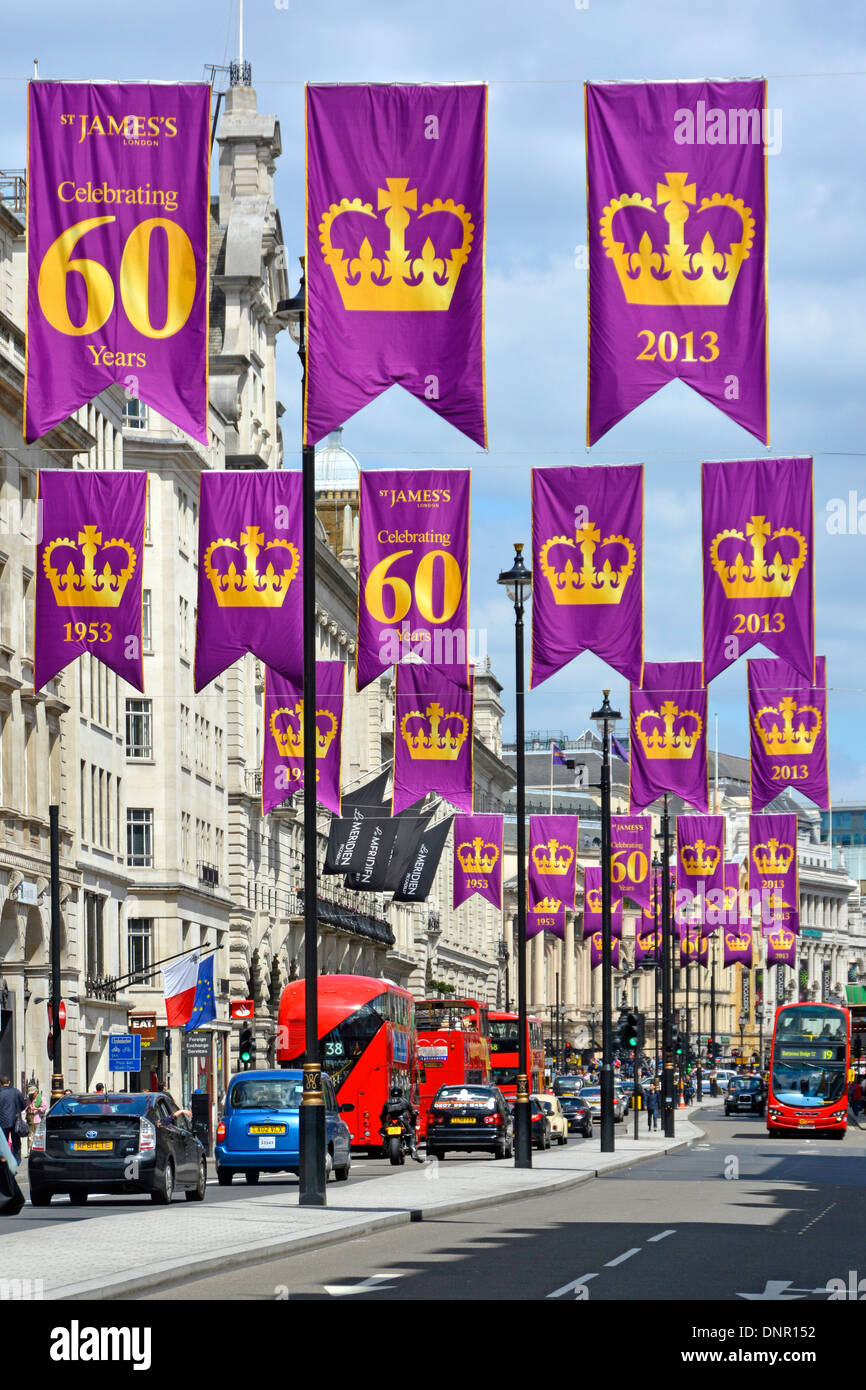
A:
(736, 1217)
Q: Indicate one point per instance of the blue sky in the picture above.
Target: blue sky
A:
(535, 57)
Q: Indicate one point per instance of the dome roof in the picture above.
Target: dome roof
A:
(336, 468)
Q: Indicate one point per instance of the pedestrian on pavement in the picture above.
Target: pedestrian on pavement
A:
(34, 1112)
(99, 1088)
(11, 1196)
(652, 1107)
(856, 1096)
(12, 1122)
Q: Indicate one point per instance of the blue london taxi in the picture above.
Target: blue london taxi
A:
(258, 1131)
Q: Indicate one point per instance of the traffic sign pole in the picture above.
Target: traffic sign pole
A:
(57, 1086)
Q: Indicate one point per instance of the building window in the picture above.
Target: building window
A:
(139, 837)
(146, 639)
(140, 949)
(139, 729)
(134, 415)
(93, 937)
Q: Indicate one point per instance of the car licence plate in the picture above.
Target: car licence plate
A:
(805, 1124)
(267, 1129)
(267, 1141)
(88, 1145)
(460, 1120)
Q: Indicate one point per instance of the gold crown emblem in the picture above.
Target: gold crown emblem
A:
(700, 858)
(666, 743)
(268, 570)
(781, 939)
(398, 280)
(476, 857)
(552, 857)
(290, 740)
(787, 739)
(738, 943)
(648, 942)
(589, 584)
(758, 577)
(89, 579)
(548, 905)
(433, 746)
(679, 275)
(772, 858)
(593, 900)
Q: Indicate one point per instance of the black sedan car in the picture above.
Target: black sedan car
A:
(745, 1095)
(578, 1115)
(120, 1143)
(469, 1118)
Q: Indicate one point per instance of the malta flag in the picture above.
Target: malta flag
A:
(179, 984)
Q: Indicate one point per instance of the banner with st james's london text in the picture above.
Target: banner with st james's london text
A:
(676, 214)
(117, 248)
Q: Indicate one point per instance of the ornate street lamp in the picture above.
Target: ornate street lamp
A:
(605, 718)
(518, 584)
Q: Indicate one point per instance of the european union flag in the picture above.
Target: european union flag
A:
(204, 1005)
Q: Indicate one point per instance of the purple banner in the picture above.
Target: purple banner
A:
(773, 873)
(432, 739)
(758, 557)
(414, 572)
(723, 906)
(592, 904)
(676, 217)
(395, 251)
(478, 858)
(283, 761)
(587, 553)
(694, 947)
(631, 857)
(88, 572)
(781, 947)
(647, 944)
(596, 953)
(700, 865)
(552, 860)
(118, 193)
(548, 915)
(250, 573)
(788, 732)
(738, 945)
(668, 744)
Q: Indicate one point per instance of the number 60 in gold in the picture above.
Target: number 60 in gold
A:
(134, 279)
(401, 593)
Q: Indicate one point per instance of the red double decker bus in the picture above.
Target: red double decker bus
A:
(453, 1046)
(366, 1044)
(809, 1059)
(504, 1043)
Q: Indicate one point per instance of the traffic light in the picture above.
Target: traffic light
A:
(858, 1046)
(246, 1048)
(676, 1041)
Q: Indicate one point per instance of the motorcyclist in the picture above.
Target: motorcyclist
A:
(398, 1110)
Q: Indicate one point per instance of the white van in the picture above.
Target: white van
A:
(723, 1076)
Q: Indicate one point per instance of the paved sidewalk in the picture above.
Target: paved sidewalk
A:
(103, 1256)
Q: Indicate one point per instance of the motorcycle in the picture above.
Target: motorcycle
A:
(395, 1141)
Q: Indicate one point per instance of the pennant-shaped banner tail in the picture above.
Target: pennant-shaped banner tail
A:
(773, 871)
(694, 947)
(676, 212)
(592, 904)
(758, 559)
(478, 858)
(88, 572)
(432, 738)
(283, 760)
(631, 857)
(250, 573)
(543, 918)
(668, 743)
(587, 550)
(123, 200)
(413, 599)
(788, 732)
(417, 880)
(395, 251)
(781, 947)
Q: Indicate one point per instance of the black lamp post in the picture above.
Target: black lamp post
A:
(518, 583)
(56, 1035)
(312, 1110)
(605, 718)
(667, 980)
